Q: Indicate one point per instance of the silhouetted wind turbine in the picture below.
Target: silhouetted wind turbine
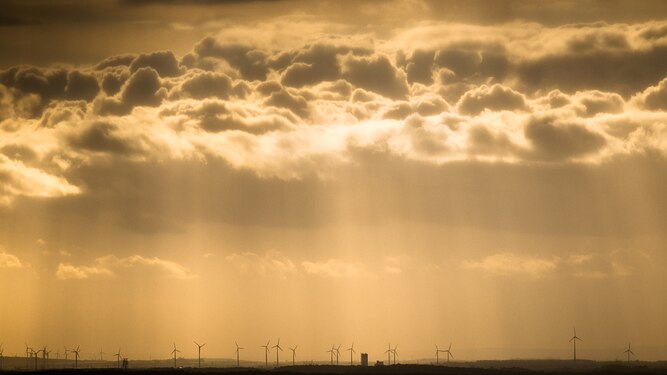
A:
(45, 356)
(199, 351)
(37, 357)
(238, 351)
(278, 350)
(28, 355)
(449, 352)
(337, 353)
(628, 352)
(352, 351)
(76, 356)
(292, 349)
(266, 353)
(331, 352)
(174, 353)
(573, 340)
(65, 352)
(437, 354)
(117, 355)
(395, 352)
(102, 355)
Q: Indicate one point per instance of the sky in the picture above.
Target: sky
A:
(490, 174)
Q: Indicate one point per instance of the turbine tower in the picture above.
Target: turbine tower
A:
(292, 349)
(266, 353)
(76, 356)
(37, 357)
(65, 352)
(102, 355)
(395, 352)
(331, 352)
(117, 355)
(449, 352)
(352, 351)
(573, 340)
(28, 355)
(337, 353)
(388, 351)
(238, 351)
(174, 353)
(278, 350)
(45, 357)
(437, 354)
(628, 352)
(199, 352)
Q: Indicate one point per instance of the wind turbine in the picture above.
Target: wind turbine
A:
(395, 352)
(352, 351)
(628, 352)
(573, 340)
(117, 355)
(278, 350)
(45, 356)
(238, 351)
(65, 352)
(102, 355)
(199, 350)
(437, 354)
(388, 351)
(266, 353)
(449, 352)
(76, 356)
(292, 349)
(331, 352)
(174, 353)
(337, 353)
(37, 357)
(28, 355)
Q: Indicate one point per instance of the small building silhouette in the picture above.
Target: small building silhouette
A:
(379, 363)
(364, 359)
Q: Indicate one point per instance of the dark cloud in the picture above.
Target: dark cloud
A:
(316, 64)
(113, 80)
(81, 86)
(600, 102)
(654, 97)
(552, 140)
(283, 99)
(143, 88)
(164, 63)
(495, 98)
(375, 74)
(206, 85)
(114, 61)
(624, 72)
(101, 136)
(250, 62)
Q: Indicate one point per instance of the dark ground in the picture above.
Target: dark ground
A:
(358, 370)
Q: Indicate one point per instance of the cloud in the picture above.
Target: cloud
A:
(507, 264)
(375, 74)
(9, 260)
(143, 88)
(81, 86)
(494, 98)
(334, 268)
(18, 180)
(552, 139)
(270, 264)
(109, 265)
(654, 98)
(67, 271)
(163, 62)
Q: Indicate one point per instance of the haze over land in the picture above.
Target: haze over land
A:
(490, 174)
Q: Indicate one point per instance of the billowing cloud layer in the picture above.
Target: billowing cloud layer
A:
(432, 94)
(109, 265)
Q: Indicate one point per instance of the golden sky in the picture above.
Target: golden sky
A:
(487, 173)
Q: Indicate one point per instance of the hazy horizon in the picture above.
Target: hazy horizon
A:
(486, 173)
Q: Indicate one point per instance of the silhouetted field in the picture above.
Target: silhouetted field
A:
(473, 368)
